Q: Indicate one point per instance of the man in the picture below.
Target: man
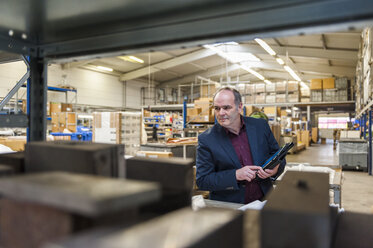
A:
(230, 153)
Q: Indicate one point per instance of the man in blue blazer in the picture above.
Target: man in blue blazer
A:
(230, 153)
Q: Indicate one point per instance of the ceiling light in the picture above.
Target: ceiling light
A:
(104, 68)
(253, 72)
(241, 57)
(288, 110)
(225, 43)
(219, 52)
(265, 46)
(304, 85)
(280, 61)
(132, 59)
(267, 81)
(292, 73)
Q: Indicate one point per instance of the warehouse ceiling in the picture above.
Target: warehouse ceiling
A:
(310, 56)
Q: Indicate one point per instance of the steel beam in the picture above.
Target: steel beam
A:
(17, 86)
(37, 99)
(18, 120)
(239, 20)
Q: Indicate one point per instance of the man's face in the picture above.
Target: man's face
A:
(226, 112)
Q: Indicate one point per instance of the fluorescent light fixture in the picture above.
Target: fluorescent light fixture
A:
(267, 81)
(225, 43)
(241, 57)
(265, 46)
(304, 85)
(288, 110)
(218, 51)
(104, 68)
(292, 73)
(253, 72)
(280, 61)
(132, 59)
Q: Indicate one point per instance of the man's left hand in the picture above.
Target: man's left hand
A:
(263, 174)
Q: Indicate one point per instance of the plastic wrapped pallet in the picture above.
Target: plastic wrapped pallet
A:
(341, 83)
(270, 87)
(353, 147)
(316, 95)
(260, 88)
(281, 87)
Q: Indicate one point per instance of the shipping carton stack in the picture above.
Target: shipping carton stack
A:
(202, 111)
(62, 117)
(329, 90)
(118, 128)
(315, 134)
(316, 90)
(208, 90)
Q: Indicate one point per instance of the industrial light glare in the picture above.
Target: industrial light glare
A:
(265, 46)
(292, 73)
(267, 81)
(132, 59)
(280, 61)
(136, 59)
(240, 57)
(305, 86)
(104, 68)
(258, 75)
(225, 43)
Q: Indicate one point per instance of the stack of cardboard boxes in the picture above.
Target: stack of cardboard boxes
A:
(329, 90)
(202, 111)
(62, 117)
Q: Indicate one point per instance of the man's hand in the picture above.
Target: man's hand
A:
(247, 173)
(263, 174)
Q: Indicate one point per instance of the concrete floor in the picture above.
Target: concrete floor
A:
(357, 186)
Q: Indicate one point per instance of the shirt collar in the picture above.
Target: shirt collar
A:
(243, 125)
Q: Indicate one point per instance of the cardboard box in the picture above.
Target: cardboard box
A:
(293, 98)
(24, 106)
(316, 84)
(66, 107)
(315, 134)
(146, 113)
(280, 98)
(14, 144)
(271, 99)
(328, 83)
(272, 111)
(55, 107)
(193, 111)
(305, 137)
(154, 154)
(293, 86)
(260, 99)
(280, 86)
(260, 88)
(276, 130)
(208, 90)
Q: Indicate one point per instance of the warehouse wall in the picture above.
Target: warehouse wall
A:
(94, 88)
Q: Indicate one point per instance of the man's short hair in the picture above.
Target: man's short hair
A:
(237, 95)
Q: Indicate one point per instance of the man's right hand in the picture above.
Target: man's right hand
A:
(247, 173)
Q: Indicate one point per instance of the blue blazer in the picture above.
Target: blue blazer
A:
(217, 160)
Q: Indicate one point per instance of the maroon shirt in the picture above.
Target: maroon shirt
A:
(241, 145)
